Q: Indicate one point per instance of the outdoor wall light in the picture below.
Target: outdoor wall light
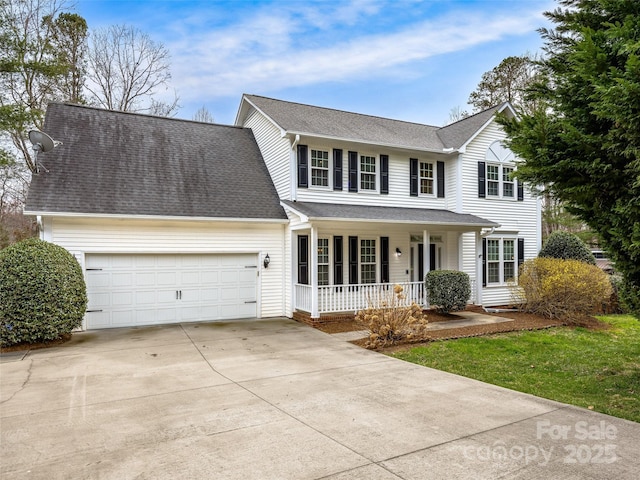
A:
(398, 252)
(266, 261)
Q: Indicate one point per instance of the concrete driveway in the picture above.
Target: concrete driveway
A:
(274, 399)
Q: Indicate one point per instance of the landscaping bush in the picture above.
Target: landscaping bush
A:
(567, 246)
(42, 292)
(564, 289)
(629, 297)
(390, 320)
(448, 290)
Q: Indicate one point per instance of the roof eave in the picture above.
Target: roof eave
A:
(45, 213)
(293, 133)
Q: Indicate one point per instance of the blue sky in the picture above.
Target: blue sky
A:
(407, 59)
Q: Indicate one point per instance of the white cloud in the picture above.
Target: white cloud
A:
(274, 51)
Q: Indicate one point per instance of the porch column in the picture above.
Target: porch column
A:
(479, 261)
(426, 256)
(314, 272)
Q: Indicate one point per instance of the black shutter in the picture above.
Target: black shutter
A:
(384, 259)
(303, 166)
(484, 262)
(338, 261)
(413, 177)
(440, 179)
(337, 169)
(353, 171)
(353, 260)
(303, 259)
(482, 177)
(384, 173)
(520, 252)
(520, 190)
(432, 256)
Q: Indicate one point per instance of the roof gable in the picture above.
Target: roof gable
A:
(118, 163)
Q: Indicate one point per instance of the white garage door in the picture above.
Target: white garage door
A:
(130, 290)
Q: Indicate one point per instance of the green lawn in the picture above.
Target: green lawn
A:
(591, 369)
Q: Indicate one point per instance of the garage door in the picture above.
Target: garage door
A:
(131, 290)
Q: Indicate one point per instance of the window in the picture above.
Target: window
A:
(507, 182)
(499, 161)
(319, 168)
(493, 261)
(367, 261)
(367, 173)
(501, 260)
(426, 178)
(323, 261)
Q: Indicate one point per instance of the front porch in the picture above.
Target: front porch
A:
(346, 300)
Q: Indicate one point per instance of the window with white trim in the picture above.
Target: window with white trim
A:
(368, 173)
(319, 168)
(323, 261)
(367, 261)
(501, 260)
(426, 178)
(499, 175)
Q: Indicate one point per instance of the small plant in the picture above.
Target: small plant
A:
(42, 292)
(448, 290)
(567, 246)
(392, 320)
(563, 289)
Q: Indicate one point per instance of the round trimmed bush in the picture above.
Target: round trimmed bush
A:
(42, 292)
(567, 246)
(448, 290)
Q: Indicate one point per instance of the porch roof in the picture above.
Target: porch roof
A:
(370, 213)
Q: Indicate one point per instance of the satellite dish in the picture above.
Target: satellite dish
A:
(41, 141)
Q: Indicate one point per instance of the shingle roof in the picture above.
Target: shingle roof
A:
(130, 164)
(307, 119)
(342, 212)
(299, 118)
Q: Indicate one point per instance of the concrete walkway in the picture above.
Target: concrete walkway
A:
(275, 399)
(469, 319)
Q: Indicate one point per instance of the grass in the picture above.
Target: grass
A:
(595, 369)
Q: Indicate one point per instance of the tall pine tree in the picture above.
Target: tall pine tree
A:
(583, 140)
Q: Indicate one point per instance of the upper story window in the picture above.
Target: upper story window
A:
(426, 178)
(368, 173)
(319, 168)
(495, 174)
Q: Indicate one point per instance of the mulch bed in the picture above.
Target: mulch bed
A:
(521, 321)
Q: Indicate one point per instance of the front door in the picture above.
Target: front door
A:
(417, 260)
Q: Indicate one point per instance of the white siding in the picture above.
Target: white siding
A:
(398, 195)
(516, 218)
(84, 236)
(275, 151)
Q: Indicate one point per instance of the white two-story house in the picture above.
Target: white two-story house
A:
(373, 201)
(296, 211)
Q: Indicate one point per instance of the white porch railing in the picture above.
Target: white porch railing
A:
(350, 298)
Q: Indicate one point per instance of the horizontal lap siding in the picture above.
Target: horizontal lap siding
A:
(398, 195)
(138, 236)
(275, 150)
(513, 216)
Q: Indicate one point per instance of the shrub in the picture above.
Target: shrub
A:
(564, 289)
(448, 290)
(567, 246)
(390, 320)
(629, 296)
(42, 292)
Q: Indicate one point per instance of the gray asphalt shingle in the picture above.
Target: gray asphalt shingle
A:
(333, 211)
(131, 164)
